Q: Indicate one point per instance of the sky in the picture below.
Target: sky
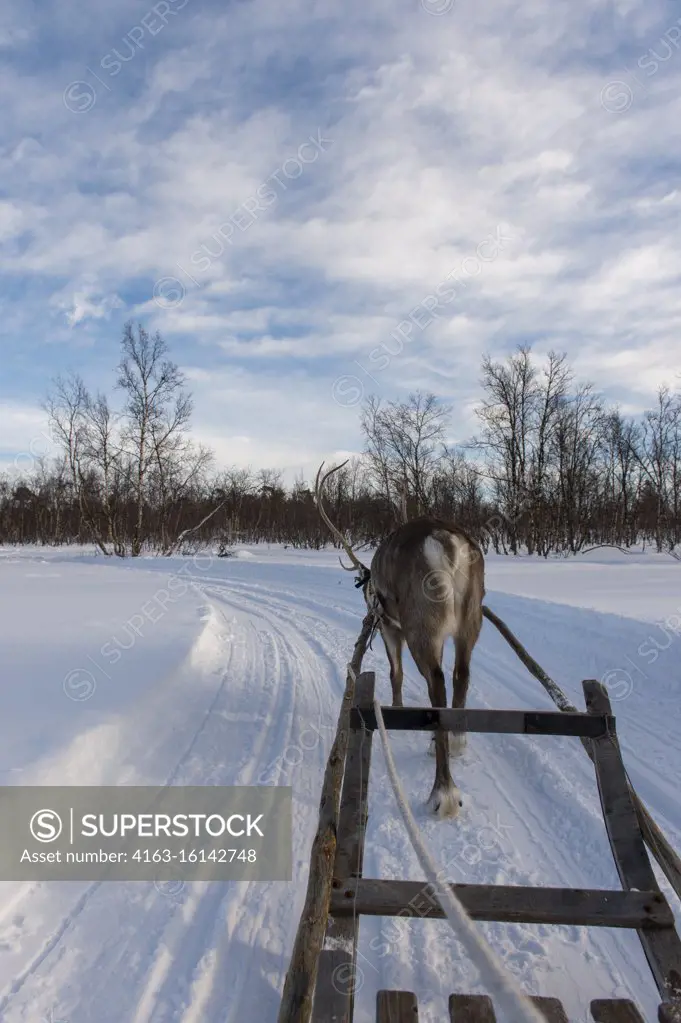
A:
(315, 202)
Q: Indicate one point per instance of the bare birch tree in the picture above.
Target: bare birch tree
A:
(156, 411)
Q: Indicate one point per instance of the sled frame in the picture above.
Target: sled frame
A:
(639, 905)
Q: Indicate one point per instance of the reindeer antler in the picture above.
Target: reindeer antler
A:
(318, 487)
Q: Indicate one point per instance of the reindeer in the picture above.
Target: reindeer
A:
(426, 582)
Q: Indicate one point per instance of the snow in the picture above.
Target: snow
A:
(224, 671)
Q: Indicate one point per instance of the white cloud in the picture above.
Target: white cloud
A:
(86, 302)
(442, 129)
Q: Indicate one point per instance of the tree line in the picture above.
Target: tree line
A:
(552, 468)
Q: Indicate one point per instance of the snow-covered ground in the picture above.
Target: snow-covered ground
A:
(231, 672)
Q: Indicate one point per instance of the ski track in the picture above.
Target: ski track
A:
(70, 918)
(270, 650)
(201, 916)
(282, 660)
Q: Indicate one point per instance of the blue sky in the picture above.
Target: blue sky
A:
(278, 187)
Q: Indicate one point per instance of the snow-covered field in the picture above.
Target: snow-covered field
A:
(231, 672)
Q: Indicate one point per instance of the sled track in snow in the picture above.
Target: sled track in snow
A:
(287, 655)
(206, 903)
(68, 921)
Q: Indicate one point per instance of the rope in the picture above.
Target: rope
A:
(508, 998)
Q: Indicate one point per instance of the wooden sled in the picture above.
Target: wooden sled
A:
(640, 905)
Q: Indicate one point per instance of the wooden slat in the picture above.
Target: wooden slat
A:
(396, 1007)
(669, 1012)
(427, 719)
(299, 984)
(335, 990)
(615, 1010)
(662, 947)
(471, 1009)
(354, 812)
(337, 980)
(505, 903)
(550, 1008)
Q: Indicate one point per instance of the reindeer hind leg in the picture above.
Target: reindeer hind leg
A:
(392, 640)
(445, 798)
(464, 644)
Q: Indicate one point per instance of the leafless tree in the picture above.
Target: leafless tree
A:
(68, 408)
(157, 410)
(577, 443)
(507, 413)
(104, 455)
(404, 441)
(659, 456)
(547, 400)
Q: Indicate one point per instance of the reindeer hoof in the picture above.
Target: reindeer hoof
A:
(445, 803)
